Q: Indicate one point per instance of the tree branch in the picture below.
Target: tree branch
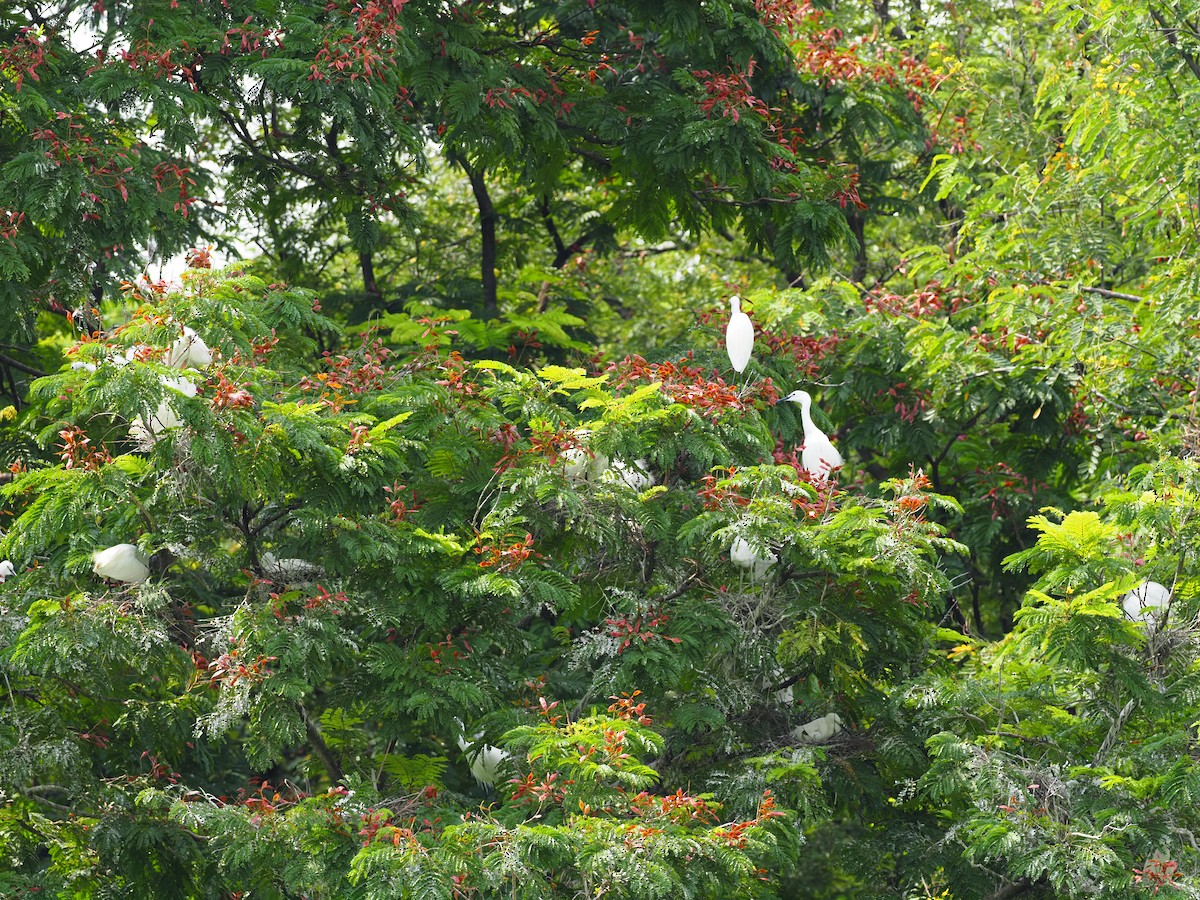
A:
(1170, 33)
(21, 367)
(1113, 295)
(320, 747)
(1013, 890)
(551, 228)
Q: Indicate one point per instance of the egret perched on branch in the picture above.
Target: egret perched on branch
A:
(293, 571)
(189, 351)
(819, 457)
(636, 474)
(744, 556)
(164, 418)
(485, 760)
(739, 336)
(818, 731)
(121, 562)
(1144, 601)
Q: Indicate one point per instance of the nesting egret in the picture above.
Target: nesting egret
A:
(739, 336)
(121, 562)
(636, 474)
(818, 731)
(189, 351)
(485, 759)
(146, 433)
(1143, 602)
(7, 570)
(576, 464)
(290, 570)
(742, 555)
(784, 695)
(819, 456)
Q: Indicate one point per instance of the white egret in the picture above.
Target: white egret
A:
(189, 351)
(819, 456)
(576, 464)
(744, 556)
(121, 562)
(636, 474)
(739, 336)
(485, 760)
(146, 433)
(1143, 602)
(818, 731)
(7, 570)
(295, 571)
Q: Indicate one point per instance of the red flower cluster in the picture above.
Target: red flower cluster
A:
(915, 305)
(730, 92)
(231, 667)
(505, 559)
(625, 707)
(23, 56)
(369, 49)
(691, 385)
(678, 807)
(720, 497)
(227, 395)
(641, 628)
(10, 223)
(77, 452)
(363, 372)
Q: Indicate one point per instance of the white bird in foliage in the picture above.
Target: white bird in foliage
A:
(147, 433)
(121, 562)
(297, 571)
(636, 474)
(189, 351)
(576, 464)
(818, 731)
(7, 570)
(485, 760)
(739, 336)
(1143, 602)
(744, 556)
(819, 456)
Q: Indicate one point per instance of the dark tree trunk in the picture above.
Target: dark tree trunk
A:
(367, 262)
(858, 227)
(487, 228)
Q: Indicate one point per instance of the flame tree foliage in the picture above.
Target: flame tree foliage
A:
(643, 116)
(457, 574)
(445, 524)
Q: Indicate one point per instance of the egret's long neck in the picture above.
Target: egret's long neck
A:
(735, 305)
(806, 420)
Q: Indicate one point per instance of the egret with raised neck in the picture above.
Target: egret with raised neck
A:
(819, 456)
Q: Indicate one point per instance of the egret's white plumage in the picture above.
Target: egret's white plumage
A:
(739, 336)
(1144, 601)
(635, 474)
(576, 464)
(7, 570)
(297, 571)
(485, 760)
(121, 562)
(744, 556)
(819, 456)
(147, 433)
(189, 351)
(819, 730)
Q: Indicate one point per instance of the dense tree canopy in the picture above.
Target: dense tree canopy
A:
(431, 547)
